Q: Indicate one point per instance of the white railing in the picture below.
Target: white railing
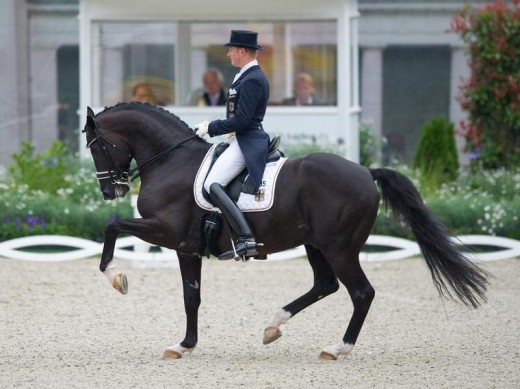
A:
(141, 253)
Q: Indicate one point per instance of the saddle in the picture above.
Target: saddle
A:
(242, 183)
(211, 223)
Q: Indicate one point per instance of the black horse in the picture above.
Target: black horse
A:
(323, 201)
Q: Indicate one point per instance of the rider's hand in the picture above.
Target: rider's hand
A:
(201, 129)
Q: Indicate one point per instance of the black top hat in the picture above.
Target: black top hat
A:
(242, 38)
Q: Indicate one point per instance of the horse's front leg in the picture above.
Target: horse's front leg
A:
(141, 228)
(190, 266)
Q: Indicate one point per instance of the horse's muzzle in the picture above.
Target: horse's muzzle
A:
(108, 197)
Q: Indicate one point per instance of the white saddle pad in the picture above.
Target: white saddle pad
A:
(246, 202)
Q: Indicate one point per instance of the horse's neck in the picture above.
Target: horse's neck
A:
(151, 137)
(150, 134)
(167, 147)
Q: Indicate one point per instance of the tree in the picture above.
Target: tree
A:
(491, 96)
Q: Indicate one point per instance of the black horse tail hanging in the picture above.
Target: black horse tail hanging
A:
(454, 276)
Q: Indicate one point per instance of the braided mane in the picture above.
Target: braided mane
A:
(140, 106)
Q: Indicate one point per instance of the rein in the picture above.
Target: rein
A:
(119, 176)
(138, 170)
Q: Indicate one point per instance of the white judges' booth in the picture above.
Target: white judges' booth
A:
(169, 44)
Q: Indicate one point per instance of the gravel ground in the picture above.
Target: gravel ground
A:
(63, 326)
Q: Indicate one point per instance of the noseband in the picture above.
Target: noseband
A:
(117, 175)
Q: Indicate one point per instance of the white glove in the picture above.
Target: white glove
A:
(201, 129)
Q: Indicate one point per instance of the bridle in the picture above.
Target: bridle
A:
(115, 174)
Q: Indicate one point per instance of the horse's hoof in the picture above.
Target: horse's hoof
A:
(170, 354)
(271, 334)
(120, 283)
(327, 357)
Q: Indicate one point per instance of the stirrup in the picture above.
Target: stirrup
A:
(241, 250)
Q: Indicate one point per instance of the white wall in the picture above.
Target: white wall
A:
(14, 114)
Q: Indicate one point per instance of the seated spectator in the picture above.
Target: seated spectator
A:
(303, 91)
(143, 92)
(213, 93)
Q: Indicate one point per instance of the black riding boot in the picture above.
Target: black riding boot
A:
(245, 244)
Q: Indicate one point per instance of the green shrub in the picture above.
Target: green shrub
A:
(45, 171)
(436, 157)
(491, 95)
(68, 212)
(367, 146)
(68, 202)
(482, 203)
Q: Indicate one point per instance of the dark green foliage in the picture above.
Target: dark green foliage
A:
(45, 171)
(54, 193)
(367, 145)
(481, 203)
(436, 158)
(491, 95)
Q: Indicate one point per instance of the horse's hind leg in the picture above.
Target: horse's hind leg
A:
(325, 283)
(361, 292)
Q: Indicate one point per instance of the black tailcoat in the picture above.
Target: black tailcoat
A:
(245, 110)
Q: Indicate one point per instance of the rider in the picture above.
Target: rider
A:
(248, 144)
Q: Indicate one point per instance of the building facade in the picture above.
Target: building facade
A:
(410, 68)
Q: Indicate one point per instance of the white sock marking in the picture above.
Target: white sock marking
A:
(339, 349)
(179, 349)
(110, 272)
(281, 317)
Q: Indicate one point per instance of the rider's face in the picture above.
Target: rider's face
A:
(236, 54)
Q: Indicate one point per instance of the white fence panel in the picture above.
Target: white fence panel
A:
(137, 251)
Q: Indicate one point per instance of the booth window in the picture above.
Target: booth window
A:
(171, 58)
(129, 54)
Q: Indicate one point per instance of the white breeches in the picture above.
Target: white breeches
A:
(230, 163)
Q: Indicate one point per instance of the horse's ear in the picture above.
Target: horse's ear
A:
(91, 122)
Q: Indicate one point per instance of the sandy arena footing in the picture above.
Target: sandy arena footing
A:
(63, 326)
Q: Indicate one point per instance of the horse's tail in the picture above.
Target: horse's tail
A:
(454, 275)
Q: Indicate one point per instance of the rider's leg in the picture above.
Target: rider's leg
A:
(228, 166)
(245, 244)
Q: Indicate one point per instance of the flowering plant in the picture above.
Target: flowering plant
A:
(63, 198)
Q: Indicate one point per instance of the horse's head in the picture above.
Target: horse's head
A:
(112, 161)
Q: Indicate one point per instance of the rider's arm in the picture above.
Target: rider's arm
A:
(244, 116)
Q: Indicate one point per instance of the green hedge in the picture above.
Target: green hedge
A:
(482, 202)
(38, 213)
(72, 205)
